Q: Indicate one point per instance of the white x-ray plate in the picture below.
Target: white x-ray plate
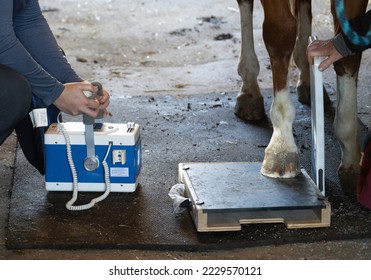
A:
(318, 131)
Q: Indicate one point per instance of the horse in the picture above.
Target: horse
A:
(286, 29)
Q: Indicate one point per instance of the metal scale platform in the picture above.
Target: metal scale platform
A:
(225, 195)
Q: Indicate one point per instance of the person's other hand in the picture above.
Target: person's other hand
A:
(73, 100)
(323, 48)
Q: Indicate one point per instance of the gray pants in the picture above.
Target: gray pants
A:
(15, 100)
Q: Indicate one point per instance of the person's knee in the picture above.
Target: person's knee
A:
(16, 90)
(15, 96)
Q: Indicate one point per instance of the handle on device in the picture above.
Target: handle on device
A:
(91, 162)
(90, 120)
(312, 38)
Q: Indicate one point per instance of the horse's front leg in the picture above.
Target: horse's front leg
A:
(346, 127)
(279, 33)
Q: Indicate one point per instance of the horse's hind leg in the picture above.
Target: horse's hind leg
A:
(250, 103)
(303, 13)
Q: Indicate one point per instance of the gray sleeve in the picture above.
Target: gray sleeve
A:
(27, 46)
(340, 45)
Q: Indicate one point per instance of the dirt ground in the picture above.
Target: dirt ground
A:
(171, 48)
(150, 47)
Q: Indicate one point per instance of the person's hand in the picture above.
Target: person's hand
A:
(74, 102)
(323, 48)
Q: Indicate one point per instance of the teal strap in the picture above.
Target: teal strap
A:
(354, 37)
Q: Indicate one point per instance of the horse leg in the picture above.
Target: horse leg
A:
(303, 11)
(279, 33)
(346, 131)
(250, 103)
(346, 127)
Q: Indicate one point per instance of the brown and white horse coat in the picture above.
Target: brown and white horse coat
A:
(286, 29)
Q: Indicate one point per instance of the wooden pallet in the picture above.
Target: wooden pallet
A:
(224, 196)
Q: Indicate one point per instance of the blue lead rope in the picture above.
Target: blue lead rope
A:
(354, 37)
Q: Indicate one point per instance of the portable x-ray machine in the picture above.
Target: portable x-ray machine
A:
(92, 156)
(223, 196)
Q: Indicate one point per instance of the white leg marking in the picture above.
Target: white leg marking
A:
(346, 123)
(282, 143)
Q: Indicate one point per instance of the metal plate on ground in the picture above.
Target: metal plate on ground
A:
(225, 195)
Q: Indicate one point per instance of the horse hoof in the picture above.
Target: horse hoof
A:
(281, 165)
(348, 181)
(250, 108)
(303, 92)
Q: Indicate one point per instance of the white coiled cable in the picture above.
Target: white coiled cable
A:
(69, 204)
